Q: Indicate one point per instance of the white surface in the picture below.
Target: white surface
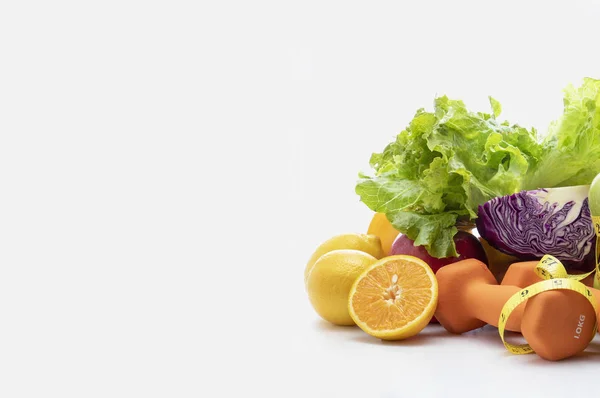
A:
(435, 364)
(168, 167)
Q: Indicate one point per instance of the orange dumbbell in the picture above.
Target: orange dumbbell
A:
(469, 297)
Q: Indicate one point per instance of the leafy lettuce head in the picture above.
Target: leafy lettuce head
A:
(442, 167)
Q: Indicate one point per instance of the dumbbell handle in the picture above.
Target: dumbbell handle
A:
(486, 302)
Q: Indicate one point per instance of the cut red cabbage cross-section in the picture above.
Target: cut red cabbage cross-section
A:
(530, 224)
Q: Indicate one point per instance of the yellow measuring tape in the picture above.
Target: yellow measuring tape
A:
(555, 277)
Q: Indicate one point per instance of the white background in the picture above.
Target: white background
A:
(167, 168)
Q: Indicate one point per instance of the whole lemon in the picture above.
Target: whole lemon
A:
(370, 244)
(381, 227)
(330, 281)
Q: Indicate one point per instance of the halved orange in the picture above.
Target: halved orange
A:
(394, 298)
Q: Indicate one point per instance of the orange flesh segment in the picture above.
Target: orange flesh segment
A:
(388, 302)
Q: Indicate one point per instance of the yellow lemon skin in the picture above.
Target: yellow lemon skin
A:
(381, 227)
(370, 244)
(330, 280)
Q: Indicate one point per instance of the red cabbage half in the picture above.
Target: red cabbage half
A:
(529, 224)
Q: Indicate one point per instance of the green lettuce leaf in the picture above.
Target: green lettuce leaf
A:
(442, 167)
(435, 231)
(571, 148)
